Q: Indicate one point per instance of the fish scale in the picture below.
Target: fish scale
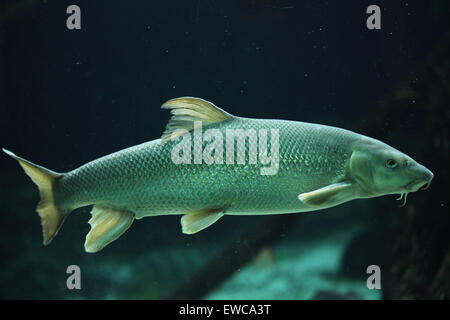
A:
(307, 167)
(144, 179)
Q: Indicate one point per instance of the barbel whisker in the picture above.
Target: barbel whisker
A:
(404, 199)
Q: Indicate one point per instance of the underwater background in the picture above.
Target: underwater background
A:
(70, 96)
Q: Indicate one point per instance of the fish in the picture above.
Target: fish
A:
(231, 168)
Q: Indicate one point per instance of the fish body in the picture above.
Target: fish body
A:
(256, 166)
(145, 180)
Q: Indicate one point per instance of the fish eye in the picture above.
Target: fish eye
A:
(391, 163)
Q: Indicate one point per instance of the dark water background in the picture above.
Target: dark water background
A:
(68, 97)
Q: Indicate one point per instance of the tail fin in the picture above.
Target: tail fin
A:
(51, 217)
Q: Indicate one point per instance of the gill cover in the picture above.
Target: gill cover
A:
(361, 171)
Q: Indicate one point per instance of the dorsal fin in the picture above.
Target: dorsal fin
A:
(186, 110)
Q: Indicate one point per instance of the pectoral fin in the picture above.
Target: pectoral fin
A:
(325, 195)
(194, 222)
(107, 224)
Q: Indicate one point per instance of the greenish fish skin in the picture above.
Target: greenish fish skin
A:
(315, 167)
(144, 179)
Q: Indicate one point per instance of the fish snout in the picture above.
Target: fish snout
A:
(422, 179)
(427, 177)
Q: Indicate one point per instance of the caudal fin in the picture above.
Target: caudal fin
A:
(51, 217)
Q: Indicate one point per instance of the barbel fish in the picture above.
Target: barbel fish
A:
(302, 167)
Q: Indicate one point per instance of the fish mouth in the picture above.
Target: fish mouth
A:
(427, 185)
(413, 186)
(417, 184)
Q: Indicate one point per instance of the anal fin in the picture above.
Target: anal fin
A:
(194, 222)
(326, 195)
(107, 224)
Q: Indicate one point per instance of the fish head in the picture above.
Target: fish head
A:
(378, 169)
